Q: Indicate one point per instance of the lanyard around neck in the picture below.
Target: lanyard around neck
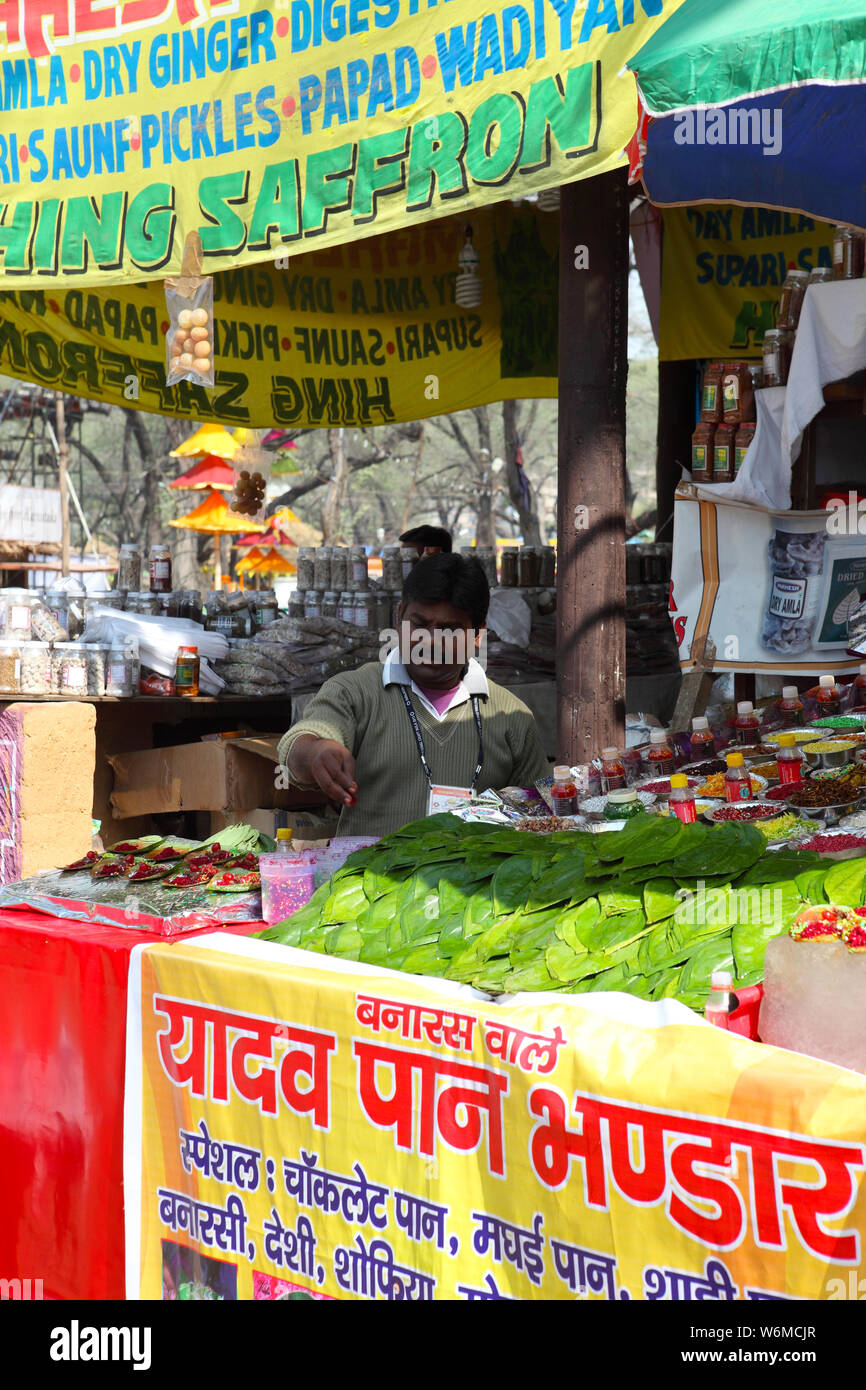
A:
(419, 739)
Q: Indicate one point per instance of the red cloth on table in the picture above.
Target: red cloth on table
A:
(62, 1056)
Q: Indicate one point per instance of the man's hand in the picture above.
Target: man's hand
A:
(329, 765)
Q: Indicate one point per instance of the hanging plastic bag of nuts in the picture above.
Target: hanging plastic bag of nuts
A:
(189, 345)
(252, 470)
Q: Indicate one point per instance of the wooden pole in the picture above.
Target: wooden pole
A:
(593, 365)
(62, 468)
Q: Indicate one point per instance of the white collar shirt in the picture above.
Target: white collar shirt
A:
(473, 683)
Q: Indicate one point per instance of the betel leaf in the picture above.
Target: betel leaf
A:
(379, 915)
(347, 901)
(344, 941)
(663, 840)
(567, 965)
(609, 932)
(749, 940)
(660, 899)
(569, 922)
(615, 845)
(618, 899)
(478, 914)
(780, 866)
(845, 882)
(511, 884)
(709, 956)
(730, 847)
(529, 979)
(811, 885)
(559, 883)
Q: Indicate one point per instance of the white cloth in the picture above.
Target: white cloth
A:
(830, 346)
(473, 683)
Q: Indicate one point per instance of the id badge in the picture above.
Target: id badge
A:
(446, 798)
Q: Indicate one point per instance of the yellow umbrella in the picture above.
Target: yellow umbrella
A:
(208, 439)
(214, 518)
(285, 520)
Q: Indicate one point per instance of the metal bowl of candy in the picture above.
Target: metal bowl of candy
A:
(801, 736)
(829, 752)
(715, 786)
(703, 768)
(661, 786)
(819, 800)
(742, 811)
(752, 752)
(842, 722)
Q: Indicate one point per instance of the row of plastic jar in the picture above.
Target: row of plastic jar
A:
(369, 608)
(69, 668)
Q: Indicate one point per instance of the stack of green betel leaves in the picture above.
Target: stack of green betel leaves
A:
(652, 909)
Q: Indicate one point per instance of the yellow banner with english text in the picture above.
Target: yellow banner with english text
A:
(363, 334)
(126, 125)
(298, 1127)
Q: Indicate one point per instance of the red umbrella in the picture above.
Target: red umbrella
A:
(209, 471)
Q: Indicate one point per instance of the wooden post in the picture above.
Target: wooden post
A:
(593, 365)
(62, 467)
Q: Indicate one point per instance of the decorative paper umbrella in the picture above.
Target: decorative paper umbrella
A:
(207, 472)
(208, 439)
(274, 563)
(248, 564)
(214, 518)
(754, 102)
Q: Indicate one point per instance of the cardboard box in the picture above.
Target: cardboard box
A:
(206, 776)
(306, 826)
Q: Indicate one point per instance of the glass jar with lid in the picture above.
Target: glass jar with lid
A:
(711, 393)
(848, 247)
(97, 664)
(35, 671)
(330, 600)
(392, 567)
(547, 569)
(190, 605)
(703, 440)
(322, 568)
(723, 454)
(346, 607)
(160, 569)
(70, 668)
(264, 607)
(186, 671)
(121, 673)
(365, 609)
(339, 568)
(129, 567)
(527, 567)
(306, 567)
(57, 603)
(408, 560)
(508, 568)
(10, 666)
(296, 604)
(793, 294)
(772, 358)
(820, 275)
(487, 560)
(357, 575)
(169, 604)
(15, 614)
(312, 604)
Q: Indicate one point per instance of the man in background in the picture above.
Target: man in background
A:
(427, 540)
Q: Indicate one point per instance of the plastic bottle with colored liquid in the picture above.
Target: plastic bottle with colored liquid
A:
(738, 787)
(564, 792)
(613, 774)
(702, 743)
(789, 760)
(682, 799)
(661, 755)
(791, 707)
(829, 698)
(858, 692)
(747, 723)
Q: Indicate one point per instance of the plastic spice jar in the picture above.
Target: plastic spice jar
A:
(527, 566)
(97, 664)
(743, 438)
(71, 676)
(357, 576)
(186, 671)
(702, 452)
(711, 393)
(723, 454)
(392, 567)
(738, 396)
(848, 245)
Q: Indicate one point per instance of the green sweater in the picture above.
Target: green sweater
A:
(357, 710)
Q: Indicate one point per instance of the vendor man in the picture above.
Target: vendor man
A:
(378, 739)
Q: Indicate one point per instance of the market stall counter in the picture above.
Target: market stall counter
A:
(62, 1037)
